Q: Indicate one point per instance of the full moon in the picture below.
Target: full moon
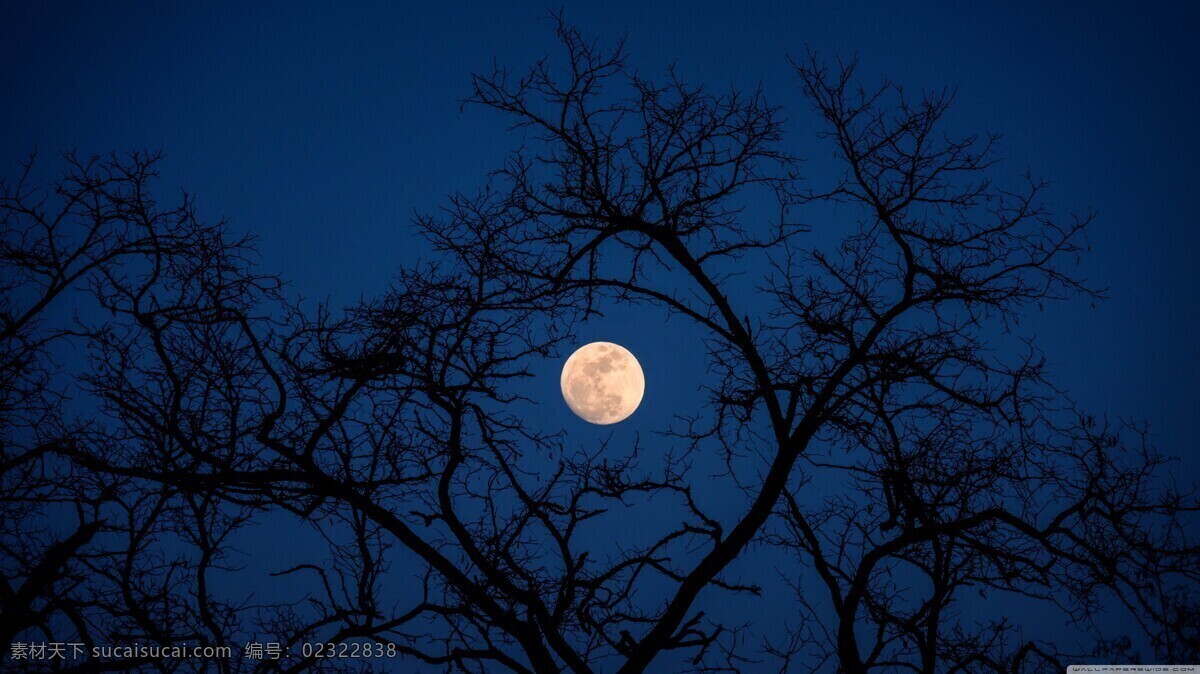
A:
(602, 383)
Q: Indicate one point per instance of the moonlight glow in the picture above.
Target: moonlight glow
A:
(602, 383)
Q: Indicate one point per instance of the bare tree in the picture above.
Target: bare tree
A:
(82, 549)
(888, 364)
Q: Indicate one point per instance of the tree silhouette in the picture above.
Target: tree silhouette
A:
(889, 364)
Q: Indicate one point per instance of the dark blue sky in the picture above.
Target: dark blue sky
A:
(321, 129)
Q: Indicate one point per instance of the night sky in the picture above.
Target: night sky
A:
(321, 130)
